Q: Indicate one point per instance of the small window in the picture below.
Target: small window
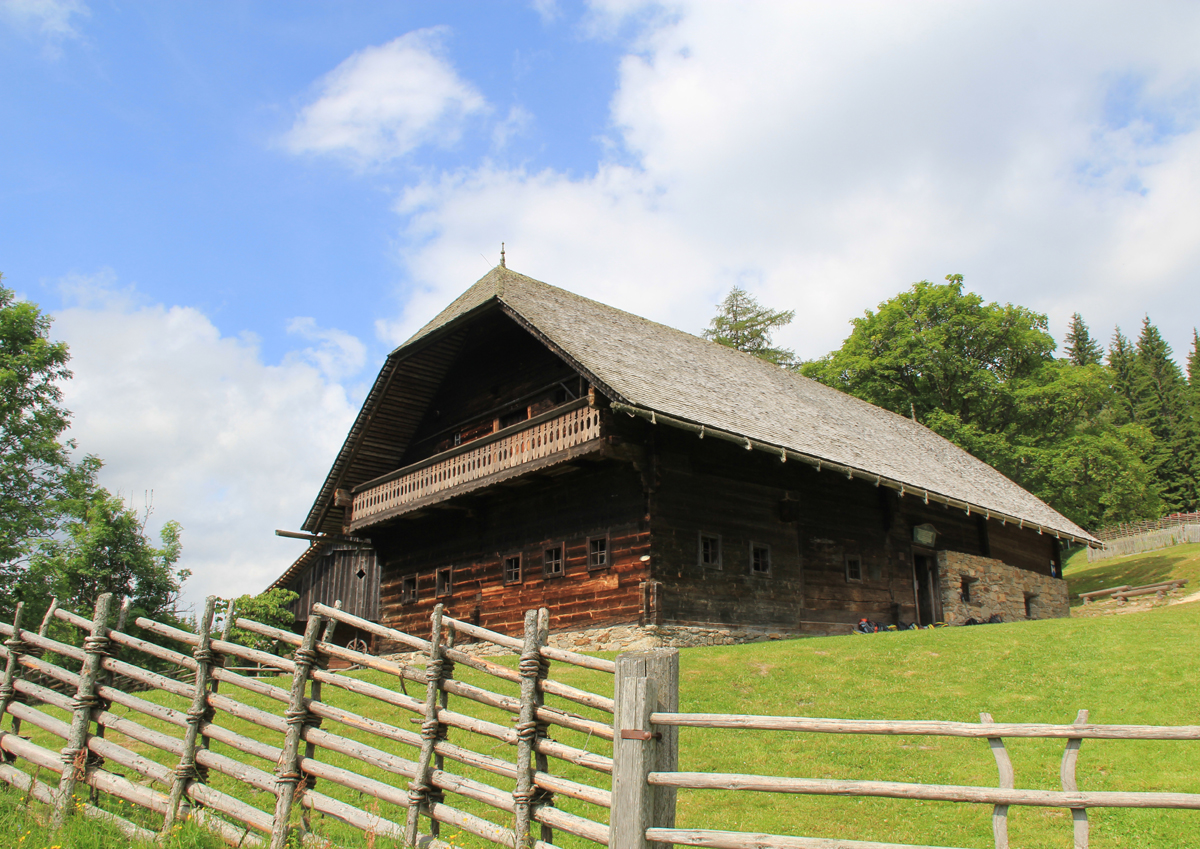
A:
(552, 562)
(598, 553)
(853, 567)
(760, 559)
(710, 551)
(408, 589)
(965, 590)
(444, 586)
(1030, 600)
(512, 569)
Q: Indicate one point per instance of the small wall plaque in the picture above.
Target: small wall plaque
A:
(925, 535)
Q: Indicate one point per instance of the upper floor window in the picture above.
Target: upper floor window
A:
(512, 569)
(408, 589)
(710, 551)
(598, 552)
(552, 562)
(760, 559)
(444, 584)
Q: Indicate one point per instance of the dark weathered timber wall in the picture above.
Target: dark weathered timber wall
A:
(713, 487)
(564, 507)
(499, 365)
(1027, 549)
(335, 577)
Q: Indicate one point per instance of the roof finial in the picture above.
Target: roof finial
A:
(502, 265)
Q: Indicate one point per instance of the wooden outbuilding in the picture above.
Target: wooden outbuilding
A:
(530, 447)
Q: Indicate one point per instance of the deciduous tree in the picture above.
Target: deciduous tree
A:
(34, 463)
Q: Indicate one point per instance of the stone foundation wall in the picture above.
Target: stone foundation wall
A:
(995, 588)
(638, 638)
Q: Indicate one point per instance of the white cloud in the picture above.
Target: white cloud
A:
(232, 447)
(826, 156)
(52, 18)
(384, 101)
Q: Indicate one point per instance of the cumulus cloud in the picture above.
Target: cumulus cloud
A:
(826, 156)
(385, 101)
(230, 446)
(54, 19)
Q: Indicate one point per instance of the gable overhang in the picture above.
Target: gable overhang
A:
(321, 513)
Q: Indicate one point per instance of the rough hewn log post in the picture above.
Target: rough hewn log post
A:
(12, 668)
(107, 679)
(532, 668)
(1007, 782)
(439, 761)
(1066, 772)
(661, 666)
(419, 790)
(287, 772)
(310, 748)
(74, 754)
(540, 762)
(634, 753)
(198, 713)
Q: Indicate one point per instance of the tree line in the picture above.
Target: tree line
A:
(1103, 436)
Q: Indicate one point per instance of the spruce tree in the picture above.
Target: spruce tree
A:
(1193, 375)
(1122, 363)
(745, 325)
(1160, 395)
(1081, 349)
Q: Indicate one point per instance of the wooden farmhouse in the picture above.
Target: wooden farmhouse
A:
(530, 447)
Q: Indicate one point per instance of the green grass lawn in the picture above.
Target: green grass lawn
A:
(1180, 561)
(1133, 669)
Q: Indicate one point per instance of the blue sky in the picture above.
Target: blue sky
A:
(234, 210)
(152, 143)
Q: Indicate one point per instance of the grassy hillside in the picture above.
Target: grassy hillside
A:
(1139, 668)
(1180, 561)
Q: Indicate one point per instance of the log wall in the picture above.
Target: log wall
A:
(590, 500)
(841, 550)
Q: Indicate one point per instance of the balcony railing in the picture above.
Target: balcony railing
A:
(481, 459)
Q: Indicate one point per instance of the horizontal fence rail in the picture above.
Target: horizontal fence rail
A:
(643, 729)
(295, 726)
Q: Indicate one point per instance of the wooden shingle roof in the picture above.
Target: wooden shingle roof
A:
(659, 371)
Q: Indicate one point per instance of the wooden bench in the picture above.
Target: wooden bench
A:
(1160, 589)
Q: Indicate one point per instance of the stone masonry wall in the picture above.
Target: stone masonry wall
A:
(994, 587)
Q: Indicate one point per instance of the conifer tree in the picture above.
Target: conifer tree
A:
(1081, 349)
(1193, 374)
(1122, 362)
(1161, 405)
(745, 325)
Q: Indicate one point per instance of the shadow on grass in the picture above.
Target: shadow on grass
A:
(1136, 570)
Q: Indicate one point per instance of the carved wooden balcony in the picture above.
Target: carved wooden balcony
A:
(553, 437)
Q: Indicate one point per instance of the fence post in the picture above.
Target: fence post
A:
(198, 713)
(1079, 817)
(12, 670)
(287, 773)
(639, 750)
(310, 748)
(533, 667)
(74, 755)
(419, 789)
(1007, 777)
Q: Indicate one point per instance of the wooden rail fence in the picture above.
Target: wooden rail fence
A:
(162, 758)
(251, 773)
(642, 725)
